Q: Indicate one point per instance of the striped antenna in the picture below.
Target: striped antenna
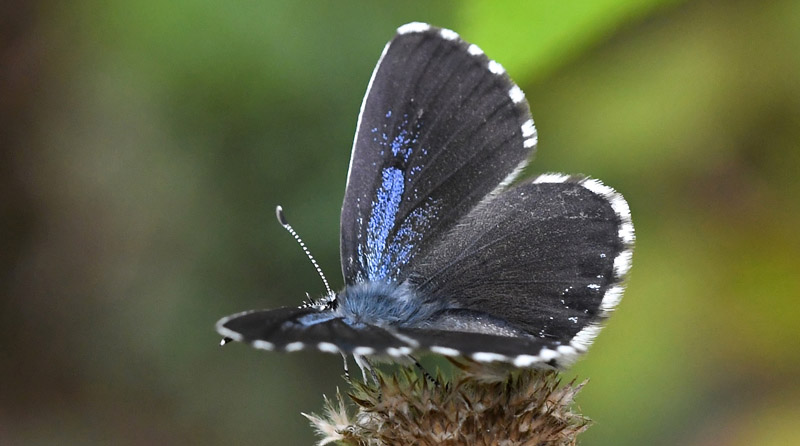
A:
(288, 227)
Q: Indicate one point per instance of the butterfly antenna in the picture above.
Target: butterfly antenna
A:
(288, 227)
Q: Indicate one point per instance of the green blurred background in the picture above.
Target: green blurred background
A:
(145, 145)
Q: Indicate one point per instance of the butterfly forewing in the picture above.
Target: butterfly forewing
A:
(293, 329)
(440, 127)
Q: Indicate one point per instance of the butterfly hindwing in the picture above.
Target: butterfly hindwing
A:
(481, 347)
(440, 127)
(547, 256)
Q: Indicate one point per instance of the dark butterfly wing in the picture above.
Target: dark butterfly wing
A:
(441, 126)
(294, 329)
(547, 257)
(482, 347)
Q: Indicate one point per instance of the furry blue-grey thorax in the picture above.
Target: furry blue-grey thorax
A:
(384, 304)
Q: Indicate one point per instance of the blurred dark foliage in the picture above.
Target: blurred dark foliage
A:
(144, 145)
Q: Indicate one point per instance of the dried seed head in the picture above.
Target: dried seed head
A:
(478, 407)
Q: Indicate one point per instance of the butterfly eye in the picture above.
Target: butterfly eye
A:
(331, 305)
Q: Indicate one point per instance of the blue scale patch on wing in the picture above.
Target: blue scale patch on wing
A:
(441, 126)
(381, 222)
(387, 247)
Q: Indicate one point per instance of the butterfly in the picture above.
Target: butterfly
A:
(440, 254)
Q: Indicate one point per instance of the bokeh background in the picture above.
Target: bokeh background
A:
(144, 146)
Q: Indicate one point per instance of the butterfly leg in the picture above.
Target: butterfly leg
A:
(425, 373)
(365, 365)
(374, 376)
(346, 370)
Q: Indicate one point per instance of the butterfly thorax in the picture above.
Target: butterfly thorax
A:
(384, 304)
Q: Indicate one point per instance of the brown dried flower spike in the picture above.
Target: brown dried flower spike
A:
(480, 406)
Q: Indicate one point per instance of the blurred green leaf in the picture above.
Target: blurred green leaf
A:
(532, 38)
